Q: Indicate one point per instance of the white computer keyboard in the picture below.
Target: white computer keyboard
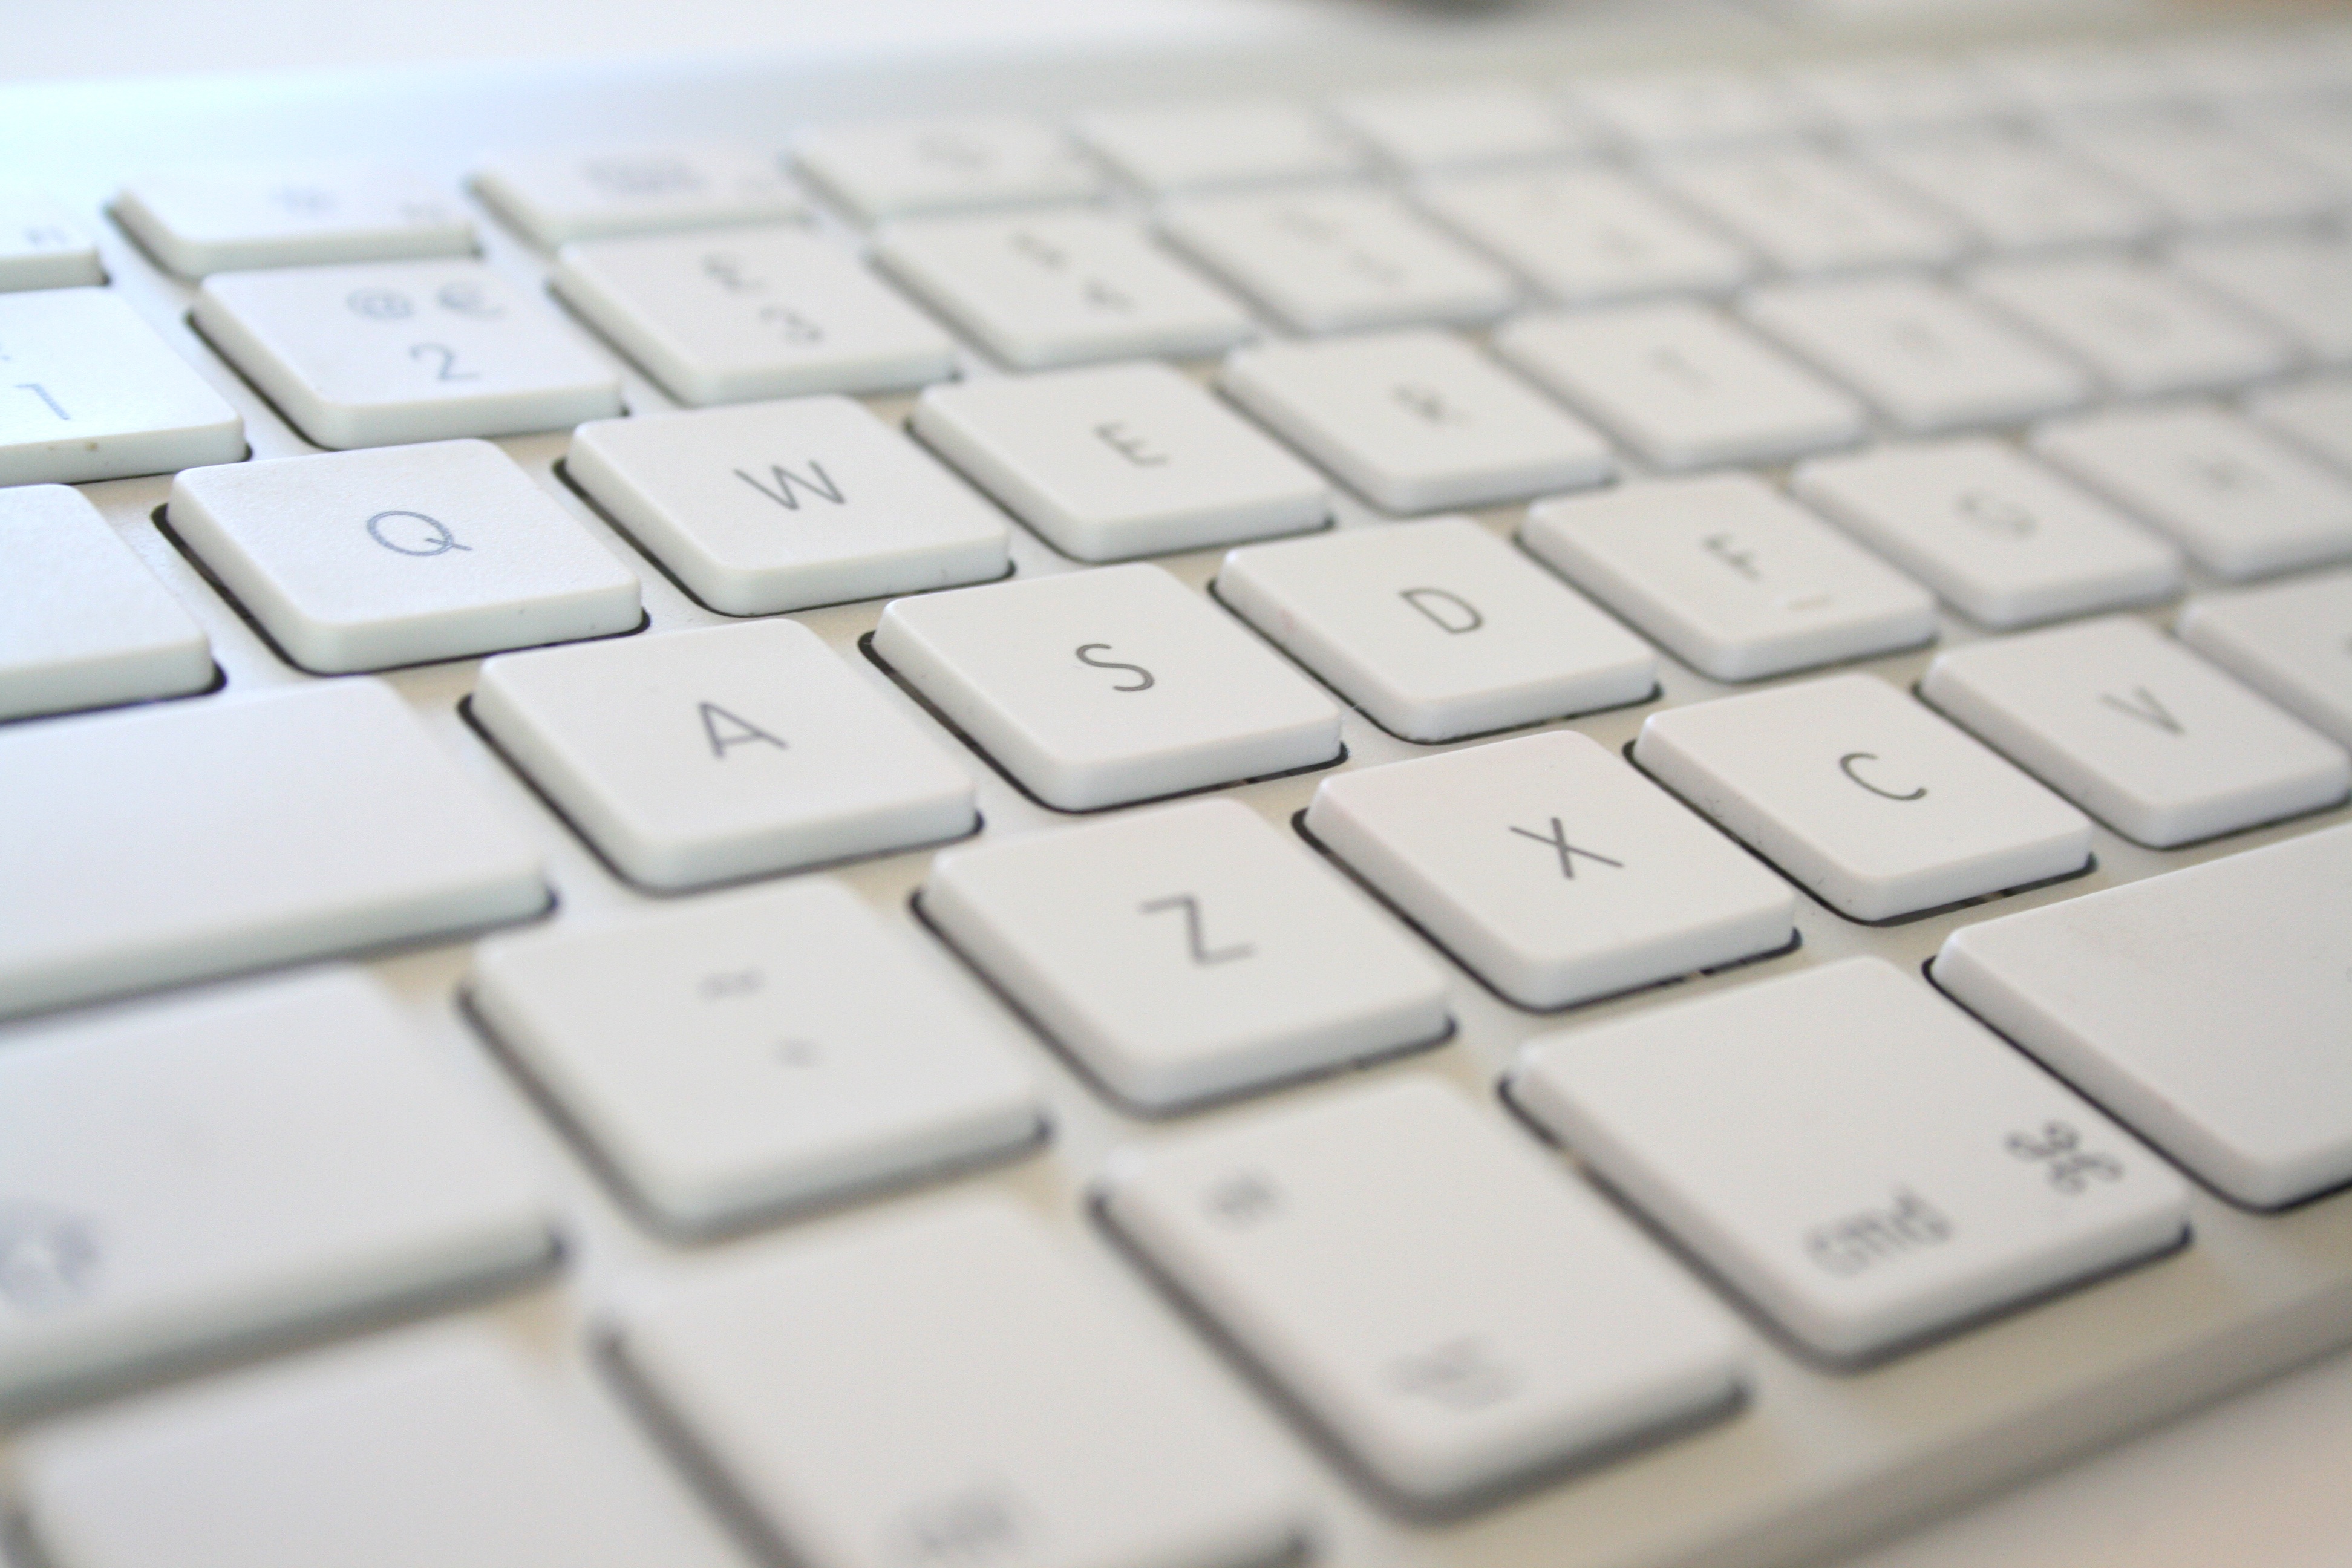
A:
(1480, 799)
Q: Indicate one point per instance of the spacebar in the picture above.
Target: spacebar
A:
(144, 849)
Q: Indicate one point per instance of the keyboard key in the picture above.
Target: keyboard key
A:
(1187, 953)
(2309, 133)
(1736, 582)
(2316, 414)
(2145, 332)
(93, 393)
(2239, 501)
(1050, 289)
(1882, 93)
(1165, 148)
(2072, 80)
(1097, 689)
(1664, 110)
(1440, 1297)
(204, 1174)
(1586, 235)
(1421, 130)
(1811, 211)
(780, 506)
(1130, 459)
(43, 245)
(179, 843)
(735, 1056)
(2288, 642)
(1550, 869)
(83, 623)
(899, 168)
(361, 560)
(1337, 261)
(1866, 799)
(1681, 385)
(2203, 174)
(405, 351)
(223, 218)
(1925, 357)
(2205, 1007)
(1416, 420)
(2016, 194)
(1958, 1181)
(2137, 731)
(557, 195)
(751, 312)
(2302, 285)
(721, 752)
(2002, 540)
(1436, 629)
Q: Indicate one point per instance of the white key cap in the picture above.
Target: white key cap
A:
(1681, 385)
(1165, 148)
(1436, 1293)
(559, 195)
(438, 1446)
(1927, 358)
(2018, 195)
(1129, 460)
(1809, 211)
(185, 1177)
(2137, 731)
(1436, 629)
(177, 843)
(1096, 689)
(721, 752)
(2074, 80)
(1867, 800)
(2205, 1007)
(898, 168)
(1421, 130)
(1417, 420)
(2002, 540)
(1658, 110)
(2203, 174)
(1736, 582)
(1882, 93)
(1337, 261)
(2300, 284)
(44, 246)
(1048, 289)
(751, 312)
(2310, 133)
(93, 393)
(1550, 869)
(219, 219)
(827, 1057)
(2239, 501)
(2144, 331)
(83, 623)
(1586, 234)
(2291, 642)
(2317, 414)
(1187, 953)
(357, 561)
(780, 506)
(405, 351)
(1958, 1181)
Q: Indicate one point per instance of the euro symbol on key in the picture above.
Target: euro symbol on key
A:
(433, 538)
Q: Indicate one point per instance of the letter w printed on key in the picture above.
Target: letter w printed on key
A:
(786, 496)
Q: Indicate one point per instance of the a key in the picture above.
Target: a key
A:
(1854, 1154)
(900, 168)
(1436, 629)
(2205, 1007)
(1162, 149)
(559, 195)
(1337, 260)
(1927, 358)
(356, 560)
(2137, 731)
(2310, 133)
(1551, 869)
(202, 220)
(405, 351)
(179, 843)
(2291, 642)
(720, 752)
(1097, 689)
(2017, 193)
(2144, 331)
(1423, 130)
(1051, 288)
(88, 391)
(1586, 235)
(187, 1176)
(2001, 539)
(1866, 799)
(1416, 420)
(1736, 582)
(2080, 78)
(2243, 502)
(736, 1056)
(438, 1446)
(83, 623)
(1446, 1301)
(44, 246)
(2299, 284)
(1664, 109)
(742, 313)
(1187, 953)
(1887, 94)
(2203, 174)
(780, 506)
(2316, 414)
(1682, 385)
(1123, 461)
(1809, 211)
